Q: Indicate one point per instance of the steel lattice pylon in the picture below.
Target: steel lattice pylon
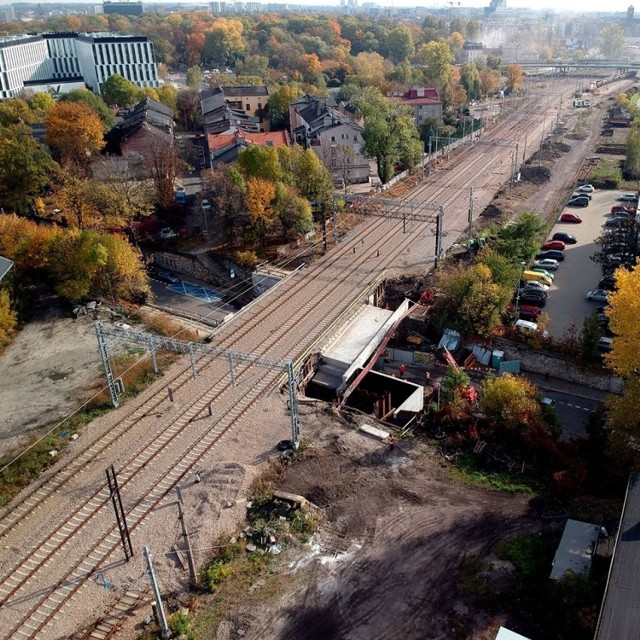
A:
(155, 343)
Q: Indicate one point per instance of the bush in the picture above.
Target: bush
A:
(607, 175)
(213, 574)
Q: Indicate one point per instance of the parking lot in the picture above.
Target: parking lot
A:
(578, 274)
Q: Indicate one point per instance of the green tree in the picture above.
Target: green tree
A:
(612, 41)
(632, 158)
(400, 44)
(470, 79)
(436, 57)
(224, 42)
(226, 189)
(504, 271)
(117, 90)
(470, 300)
(279, 100)
(389, 134)
(589, 336)
(519, 241)
(313, 180)
(494, 62)
(293, 212)
(95, 102)
(15, 111)
(194, 77)
(260, 162)
(25, 167)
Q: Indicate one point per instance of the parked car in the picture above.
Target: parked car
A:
(599, 295)
(527, 328)
(585, 188)
(605, 345)
(579, 194)
(530, 293)
(548, 264)
(554, 244)
(607, 282)
(551, 253)
(530, 299)
(617, 221)
(533, 284)
(579, 201)
(524, 310)
(570, 217)
(567, 238)
(621, 208)
(167, 233)
(628, 197)
(544, 272)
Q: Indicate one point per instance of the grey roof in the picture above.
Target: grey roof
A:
(211, 99)
(620, 614)
(245, 90)
(5, 267)
(576, 549)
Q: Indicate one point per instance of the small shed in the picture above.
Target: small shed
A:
(576, 549)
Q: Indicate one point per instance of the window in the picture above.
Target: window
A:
(248, 107)
(333, 138)
(259, 106)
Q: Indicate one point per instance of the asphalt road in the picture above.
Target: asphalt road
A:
(573, 412)
(578, 274)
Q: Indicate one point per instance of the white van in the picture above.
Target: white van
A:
(527, 327)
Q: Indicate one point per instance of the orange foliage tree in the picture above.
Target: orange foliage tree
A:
(75, 133)
(262, 214)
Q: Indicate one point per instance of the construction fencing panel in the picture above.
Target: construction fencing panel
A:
(509, 366)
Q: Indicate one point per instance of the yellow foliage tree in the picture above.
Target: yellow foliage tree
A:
(624, 304)
(489, 82)
(75, 132)
(8, 319)
(514, 77)
(510, 401)
(25, 242)
(260, 197)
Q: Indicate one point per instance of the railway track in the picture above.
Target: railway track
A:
(26, 608)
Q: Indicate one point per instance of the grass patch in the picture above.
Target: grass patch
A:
(530, 554)
(165, 326)
(606, 175)
(465, 470)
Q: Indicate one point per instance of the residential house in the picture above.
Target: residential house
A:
(424, 101)
(472, 52)
(145, 127)
(334, 134)
(251, 100)
(224, 147)
(220, 116)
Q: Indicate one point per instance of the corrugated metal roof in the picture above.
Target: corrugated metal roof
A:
(576, 549)
(5, 266)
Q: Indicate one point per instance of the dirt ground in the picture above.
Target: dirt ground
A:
(384, 563)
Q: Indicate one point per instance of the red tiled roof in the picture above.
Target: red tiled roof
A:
(272, 139)
(419, 100)
(219, 140)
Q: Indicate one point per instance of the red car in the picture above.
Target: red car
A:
(526, 310)
(554, 244)
(570, 217)
(620, 208)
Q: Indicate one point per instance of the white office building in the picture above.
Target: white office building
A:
(66, 61)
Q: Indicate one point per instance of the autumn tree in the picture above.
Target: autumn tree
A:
(489, 82)
(86, 263)
(510, 401)
(261, 195)
(40, 103)
(96, 102)
(25, 167)
(632, 157)
(75, 133)
(399, 44)
(312, 179)
(188, 108)
(15, 111)
(369, 70)
(260, 162)
(224, 42)
(8, 319)
(514, 77)
(226, 189)
(494, 63)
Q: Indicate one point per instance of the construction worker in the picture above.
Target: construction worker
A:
(401, 370)
(391, 441)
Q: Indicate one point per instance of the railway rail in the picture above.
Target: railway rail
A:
(285, 325)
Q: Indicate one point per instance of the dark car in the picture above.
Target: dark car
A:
(578, 201)
(533, 300)
(617, 221)
(551, 253)
(621, 208)
(567, 238)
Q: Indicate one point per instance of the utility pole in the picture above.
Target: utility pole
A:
(187, 542)
(524, 152)
(470, 208)
(439, 221)
(165, 632)
(334, 210)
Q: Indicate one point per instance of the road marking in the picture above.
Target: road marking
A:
(573, 406)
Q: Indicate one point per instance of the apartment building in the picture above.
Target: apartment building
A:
(66, 61)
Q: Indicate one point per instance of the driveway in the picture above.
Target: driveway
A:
(578, 273)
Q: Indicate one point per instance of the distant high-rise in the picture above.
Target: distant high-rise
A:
(123, 7)
(630, 12)
(7, 14)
